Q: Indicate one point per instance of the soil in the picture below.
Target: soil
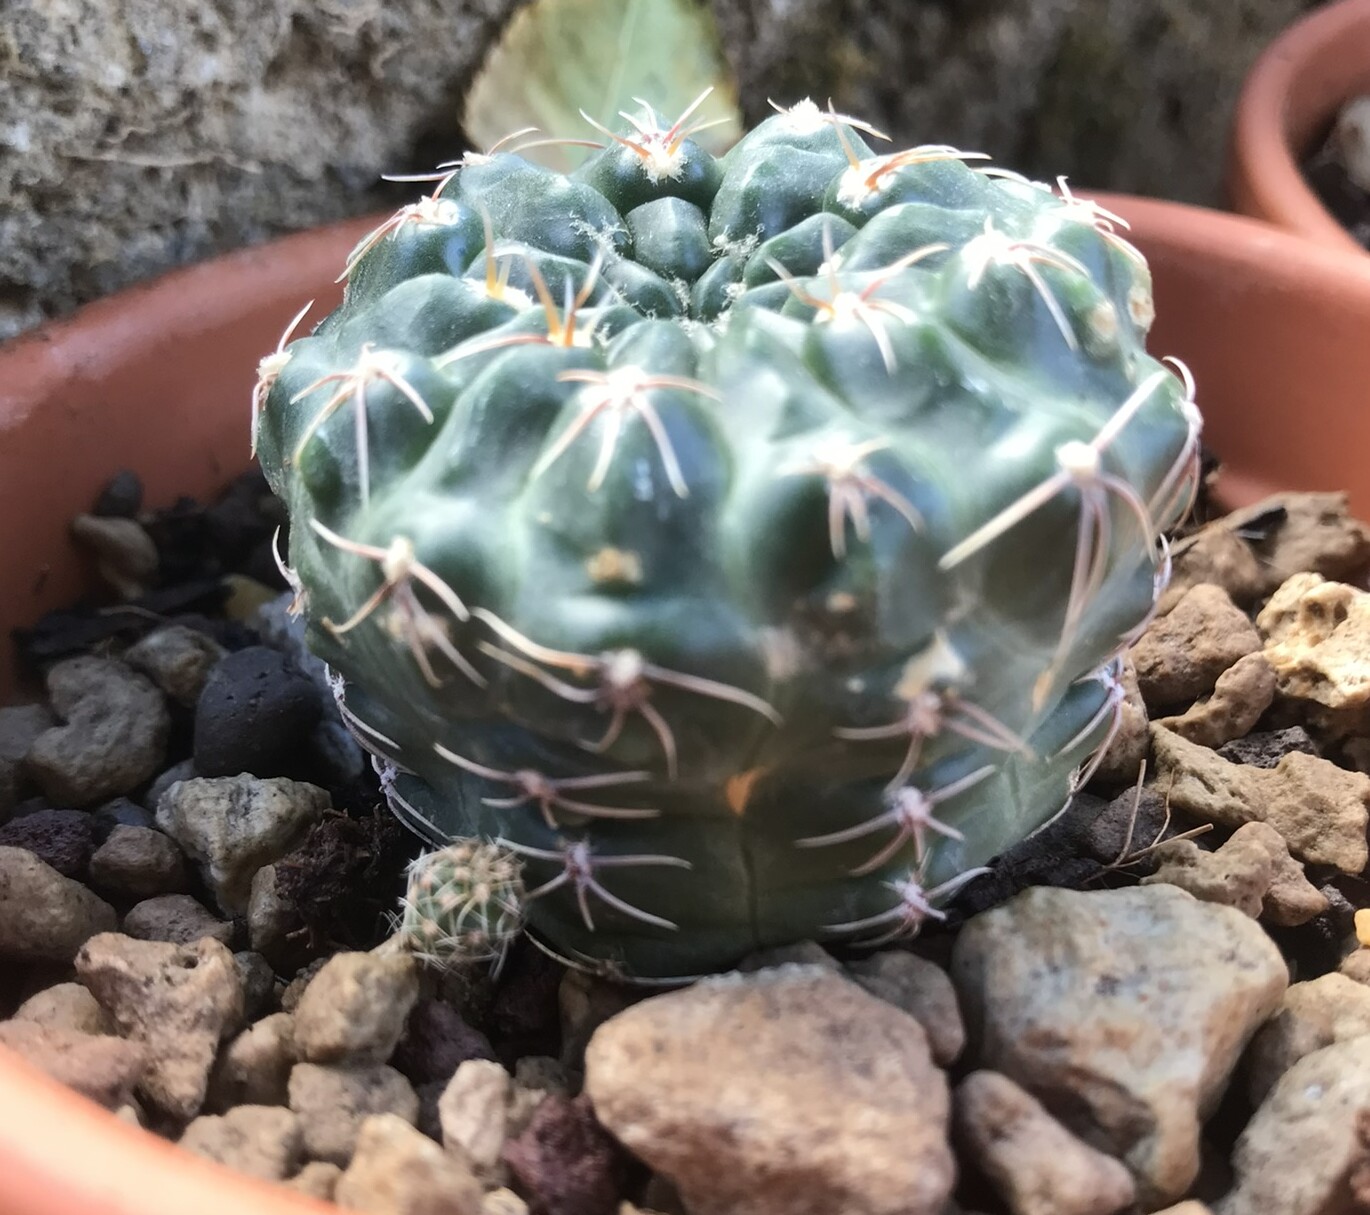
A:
(333, 888)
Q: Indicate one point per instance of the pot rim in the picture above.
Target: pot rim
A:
(1289, 96)
(54, 380)
(61, 1154)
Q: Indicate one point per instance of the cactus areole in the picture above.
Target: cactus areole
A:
(745, 544)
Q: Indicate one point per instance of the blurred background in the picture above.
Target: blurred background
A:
(136, 135)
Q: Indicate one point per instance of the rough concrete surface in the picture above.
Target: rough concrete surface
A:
(136, 135)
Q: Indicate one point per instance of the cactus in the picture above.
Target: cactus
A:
(745, 544)
(462, 903)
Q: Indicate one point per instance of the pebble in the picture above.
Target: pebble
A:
(437, 1041)
(1131, 821)
(1331, 1008)
(121, 497)
(177, 919)
(1350, 140)
(1180, 657)
(801, 953)
(232, 826)
(1356, 965)
(1305, 1150)
(245, 597)
(125, 556)
(65, 1006)
(1265, 748)
(397, 1170)
(1318, 808)
(564, 1160)
(318, 1179)
(178, 660)
(1216, 555)
(275, 625)
(1237, 875)
(256, 714)
(536, 1077)
(542, 1073)
(114, 737)
(119, 812)
(1292, 899)
(254, 1068)
(259, 983)
(295, 989)
(1317, 640)
(1132, 743)
(1239, 699)
(506, 1202)
(138, 863)
(274, 927)
(43, 915)
(103, 1068)
(354, 1010)
(184, 770)
(1076, 995)
(473, 1113)
(333, 1102)
(1316, 533)
(258, 1140)
(64, 839)
(180, 1001)
(714, 1084)
(19, 726)
(1036, 1165)
(923, 990)
(1250, 552)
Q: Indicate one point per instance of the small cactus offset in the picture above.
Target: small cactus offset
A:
(745, 544)
(462, 903)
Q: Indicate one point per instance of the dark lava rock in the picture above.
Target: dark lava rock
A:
(120, 813)
(255, 715)
(437, 1040)
(121, 498)
(523, 1017)
(64, 839)
(243, 520)
(565, 1163)
(1050, 857)
(1129, 824)
(1267, 748)
(1315, 948)
(83, 630)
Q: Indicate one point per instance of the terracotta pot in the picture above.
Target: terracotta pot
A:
(1287, 105)
(158, 380)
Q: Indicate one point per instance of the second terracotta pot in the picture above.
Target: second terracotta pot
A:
(1287, 105)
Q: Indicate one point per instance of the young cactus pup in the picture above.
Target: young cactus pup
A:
(462, 904)
(742, 545)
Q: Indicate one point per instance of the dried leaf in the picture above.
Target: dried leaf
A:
(558, 57)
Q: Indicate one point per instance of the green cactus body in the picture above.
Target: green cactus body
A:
(462, 904)
(743, 543)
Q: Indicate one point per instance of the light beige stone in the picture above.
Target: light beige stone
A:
(786, 1092)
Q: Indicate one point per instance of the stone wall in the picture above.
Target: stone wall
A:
(140, 134)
